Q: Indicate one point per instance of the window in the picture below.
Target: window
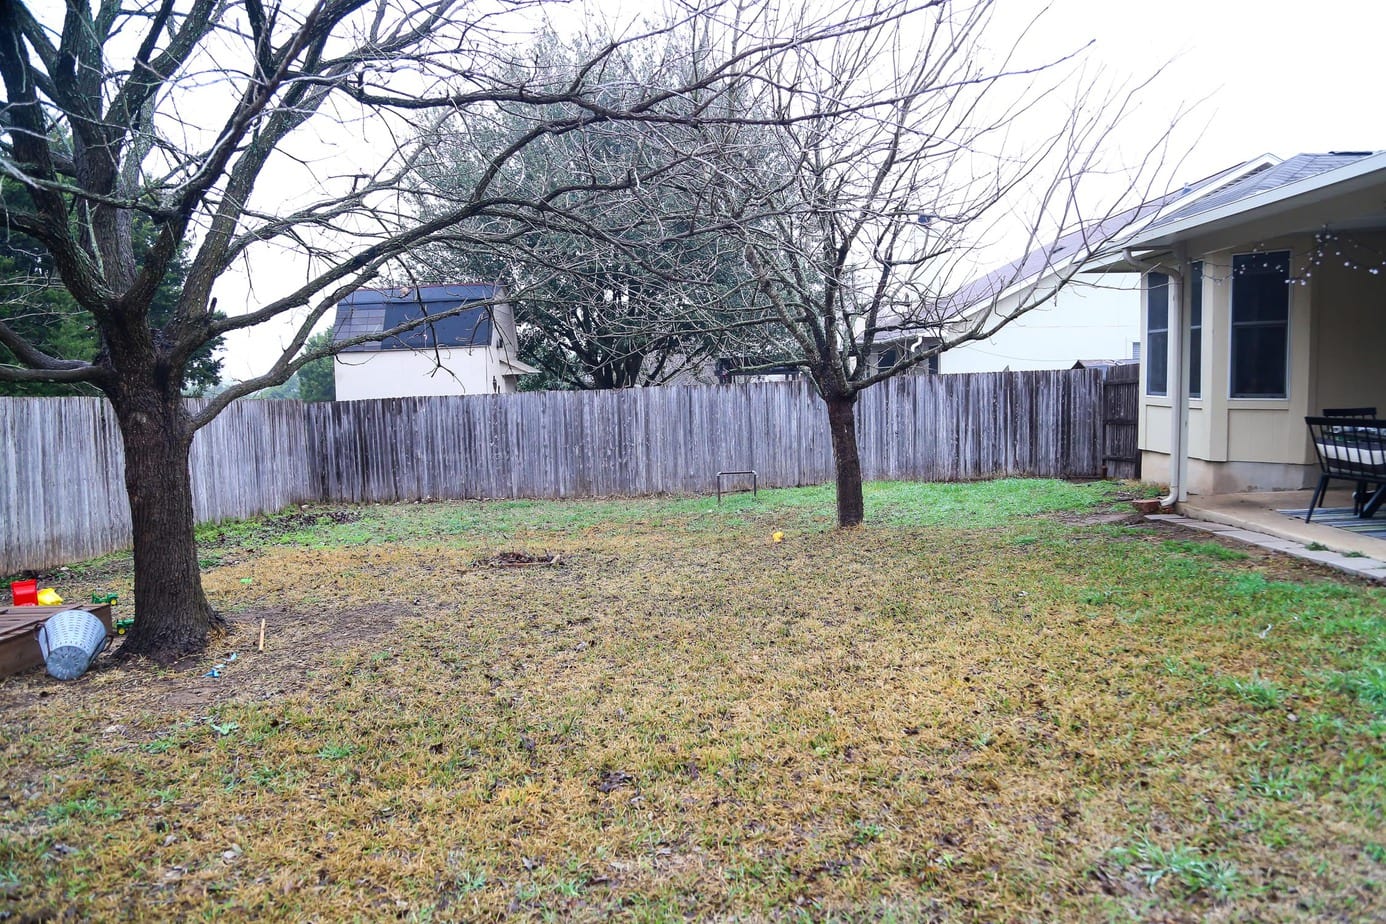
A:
(1196, 329)
(1136, 350)
(1157, 334)
(1260, 324)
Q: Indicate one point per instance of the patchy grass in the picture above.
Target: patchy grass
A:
(1001, 701)
(1189, 872)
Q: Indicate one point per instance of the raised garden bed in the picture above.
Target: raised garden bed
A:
(19, 647)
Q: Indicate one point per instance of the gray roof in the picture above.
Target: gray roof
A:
(1083, 242)
(374, 311)
(1076, 243)
(1291, 170)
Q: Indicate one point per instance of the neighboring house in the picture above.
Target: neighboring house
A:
(1265, 302)
(743, 370)
(1088, 317)
(1105, 363)
(471, 351)
(886, 353)
(1092, 315)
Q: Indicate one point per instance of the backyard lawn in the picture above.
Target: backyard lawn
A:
(1008, 701)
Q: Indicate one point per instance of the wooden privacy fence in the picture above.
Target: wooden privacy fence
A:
(62, 474)
(62, 494)
(1121, 402)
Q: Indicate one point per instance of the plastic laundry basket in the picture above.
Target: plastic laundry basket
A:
(69, 641)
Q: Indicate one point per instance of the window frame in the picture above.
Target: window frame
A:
(1195, 377)
(1236, 327)
(1151, 287)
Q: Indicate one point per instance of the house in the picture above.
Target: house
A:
(1087, 317)
(463, 344)
(1263, 303)
(1075, 312)
(742, 370)
(1091, 315)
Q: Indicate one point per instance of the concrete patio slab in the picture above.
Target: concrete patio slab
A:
(1255, 519)
(1260, 513)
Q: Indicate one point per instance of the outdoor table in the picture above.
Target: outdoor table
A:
(19, 647)
(1373, 503)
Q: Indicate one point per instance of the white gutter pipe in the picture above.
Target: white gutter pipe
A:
(1177, 381)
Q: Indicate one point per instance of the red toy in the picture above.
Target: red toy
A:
(25, 593)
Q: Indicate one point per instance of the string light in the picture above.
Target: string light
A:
(1334, 246)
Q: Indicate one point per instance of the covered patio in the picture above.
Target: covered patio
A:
(1264, 302)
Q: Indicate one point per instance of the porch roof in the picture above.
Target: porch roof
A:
(1308, 192)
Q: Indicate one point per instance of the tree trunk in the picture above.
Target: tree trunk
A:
(172, 615)
(842, 422)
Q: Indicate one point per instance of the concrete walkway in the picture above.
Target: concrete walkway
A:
(1356, 563)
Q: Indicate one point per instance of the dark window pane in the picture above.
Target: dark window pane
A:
(1196, 364)
(1157, 302)
(1156, 363)
(1196, 330)
(1260, 324)
(1259, 289)
(1258, 361)
(1196, 294)
(1157, 334)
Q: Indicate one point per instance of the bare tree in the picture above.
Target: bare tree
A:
(868, 173)
(623, 285)
(208, 118)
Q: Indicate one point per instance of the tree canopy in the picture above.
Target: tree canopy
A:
(624, 283)
(35, 303)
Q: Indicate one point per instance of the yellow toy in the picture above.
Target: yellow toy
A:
(49, 597)
(777, 536)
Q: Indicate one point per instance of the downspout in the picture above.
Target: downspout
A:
(1178, 381)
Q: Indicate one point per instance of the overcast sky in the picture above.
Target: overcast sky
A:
(1281, 77)
(1273, 76)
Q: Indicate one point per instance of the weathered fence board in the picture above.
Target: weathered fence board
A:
(62, 494)
(1121, 397)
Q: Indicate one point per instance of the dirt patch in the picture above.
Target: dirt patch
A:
(1105, 517)
(296, 645)
(99, 572)
(517, 560)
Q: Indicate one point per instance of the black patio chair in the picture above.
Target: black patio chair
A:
(1364, 489)
(1349, 449)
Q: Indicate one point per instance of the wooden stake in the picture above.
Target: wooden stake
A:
(262, 635)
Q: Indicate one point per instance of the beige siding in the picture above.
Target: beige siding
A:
(419, 373)
(1336, 349)
(1349, 352)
